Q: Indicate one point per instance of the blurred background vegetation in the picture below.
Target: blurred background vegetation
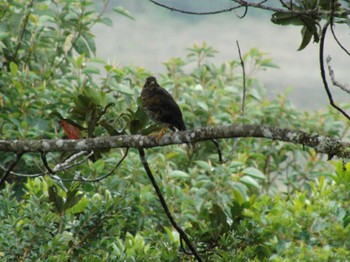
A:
(269, 201)
(145, 42)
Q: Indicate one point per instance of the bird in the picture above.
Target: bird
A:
(161, 107)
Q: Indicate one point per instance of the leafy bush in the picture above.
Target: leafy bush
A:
(230, 210)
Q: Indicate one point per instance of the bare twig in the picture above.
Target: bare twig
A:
(232, 151)
(246, 4)
(23, 174)
(68, 163)
(334, 81)
(11, 166)
(331, 21)
(104, 176)
(23, 29)
(218, 149)
(244, 82)
(182, 233)
(323, 73)
(337, 40)
(195, 13)
(46, 164)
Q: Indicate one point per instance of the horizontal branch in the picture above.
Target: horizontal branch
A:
(261, 5)
(321, 144)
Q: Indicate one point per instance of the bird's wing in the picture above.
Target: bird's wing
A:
(167, 101)
(169, 110)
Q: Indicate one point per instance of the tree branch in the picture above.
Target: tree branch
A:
(244, 82)
(182, 233)
(195, 13)
(246, 4)
(323, 72)
(11, 166)
(334, 81)
(321, 144)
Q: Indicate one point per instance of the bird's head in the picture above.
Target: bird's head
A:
(150, 81)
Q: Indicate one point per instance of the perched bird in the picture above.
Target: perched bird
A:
(160, 106)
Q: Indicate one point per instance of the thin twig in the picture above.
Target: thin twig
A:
(59, 167)
(108, 174)
(195, 13)
(338, 42)
(10, 168)
(24, 25)
(331, 74)
(46, 164)
(331, 20)
(260, 5)
(68, 162)
(244, 82)
(323, 73)
(218, 149)
(232, 151)
(182, 233)
(24, 175)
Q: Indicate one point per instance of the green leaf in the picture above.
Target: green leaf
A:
(205, 165)
(73, 197)
(13, 69)
(248, 180)
(79, 206)
(307, 36)
(106, 20)
(89, 38)
(99, 165)
(203, 105)
(122, 11)
(56, 199)
(80, 45)
(253, 172)
(240, 192)
(178, 174)
(135, 126)
(68, 43)
(218, 219)
(173, 235)
(80, 60)
(91, 70)
(124, 89)
(286, 19)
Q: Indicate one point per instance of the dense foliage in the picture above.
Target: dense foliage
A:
(231, 211)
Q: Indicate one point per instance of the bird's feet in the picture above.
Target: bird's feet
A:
(161, 133)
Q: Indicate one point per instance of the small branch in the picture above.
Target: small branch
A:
(323, 73)
(104, 176)
(321, 144)
(46, 164)
(67, 164)
(11, 166)
(218, 149)
(331, 21)
(195, 13)
(24, 25)
(232, 151)
(334, 81)
(182, 233)
(260, 5)
(244, 82)
(338, 42)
